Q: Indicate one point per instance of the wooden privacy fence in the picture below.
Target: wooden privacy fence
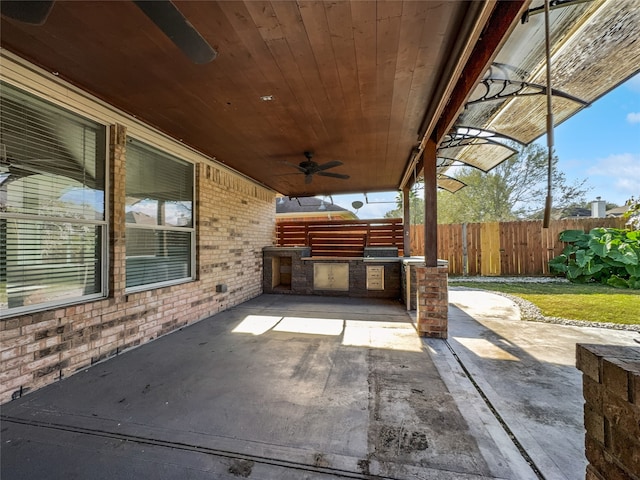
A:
(505, 248)
(341, 238)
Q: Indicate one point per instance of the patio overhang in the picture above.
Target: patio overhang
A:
(364, 83)
(594, 49)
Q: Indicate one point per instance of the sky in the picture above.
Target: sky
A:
(601, 144)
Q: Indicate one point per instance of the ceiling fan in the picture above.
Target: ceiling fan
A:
(309, 168)
(161, 12)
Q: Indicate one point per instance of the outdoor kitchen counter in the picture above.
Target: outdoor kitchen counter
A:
(293, 270)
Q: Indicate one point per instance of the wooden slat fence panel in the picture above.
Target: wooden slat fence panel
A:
(344, 238)
(475, 249)
(521, 248)
(507, 255)
(449, 245)
(490, 248)
(333, 243)
(535, 264)
(514, 248)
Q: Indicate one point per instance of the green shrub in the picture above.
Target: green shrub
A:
(607, 255)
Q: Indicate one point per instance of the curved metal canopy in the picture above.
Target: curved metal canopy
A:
(476, 147)
(450, 184)
(499, 89)
(594, 50)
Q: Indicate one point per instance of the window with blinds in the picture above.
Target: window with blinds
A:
(159, 218)
(52, 204)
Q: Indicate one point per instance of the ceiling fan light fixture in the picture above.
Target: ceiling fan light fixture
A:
(309, 168)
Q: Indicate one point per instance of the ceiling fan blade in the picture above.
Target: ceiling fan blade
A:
(33, 13)
(328, 165)
(334, 175)
(308, 178)
(179, 30)
(298, 167)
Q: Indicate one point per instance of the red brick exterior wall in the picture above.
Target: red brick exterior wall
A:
(235, 220)
(611, 388)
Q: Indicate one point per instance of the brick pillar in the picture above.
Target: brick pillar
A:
(611, 389)
(433, 301)
(117, 197)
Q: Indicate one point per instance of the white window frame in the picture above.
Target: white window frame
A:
(157, 228)
(103, 224)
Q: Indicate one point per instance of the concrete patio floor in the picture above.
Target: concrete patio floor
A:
(292, 387)
(526, 371)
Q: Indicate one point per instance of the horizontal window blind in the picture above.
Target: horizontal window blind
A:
(159, 217)
(54, 159)
(157, 256)
(52, 204)
(48, 261)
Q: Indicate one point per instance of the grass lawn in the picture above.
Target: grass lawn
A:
(590, 302)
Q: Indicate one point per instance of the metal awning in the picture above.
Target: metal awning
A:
(449, 184)
(489, 148)
(594, 49)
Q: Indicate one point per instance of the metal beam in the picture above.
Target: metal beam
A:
(514, 88)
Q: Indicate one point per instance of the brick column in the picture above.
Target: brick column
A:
(433, 301)
(117, 197)
(611, 389)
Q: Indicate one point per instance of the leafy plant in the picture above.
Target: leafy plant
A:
(606, 255)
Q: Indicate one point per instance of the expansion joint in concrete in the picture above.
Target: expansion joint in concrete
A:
(496, 414)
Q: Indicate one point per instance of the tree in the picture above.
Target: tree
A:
(633, 214)
(515, 189)
(416, 206)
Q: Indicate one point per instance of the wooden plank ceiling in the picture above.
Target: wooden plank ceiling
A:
(351, 81)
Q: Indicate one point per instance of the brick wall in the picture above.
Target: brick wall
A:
(611, 388)
(235, 220)
(433, 301)
(302, 275)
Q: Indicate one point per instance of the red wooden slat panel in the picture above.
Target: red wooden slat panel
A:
(341, 237)
(525, 247)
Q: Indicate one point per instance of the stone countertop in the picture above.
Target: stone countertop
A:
(420, 260)
(360, 259)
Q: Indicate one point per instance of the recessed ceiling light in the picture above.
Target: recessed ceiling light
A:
(266, 98)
